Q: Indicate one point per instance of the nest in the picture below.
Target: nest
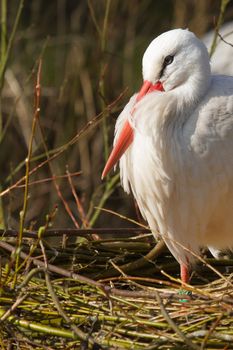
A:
(109, 293)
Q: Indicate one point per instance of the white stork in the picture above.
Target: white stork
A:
(174, 143)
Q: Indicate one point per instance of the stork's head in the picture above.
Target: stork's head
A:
(176, 60)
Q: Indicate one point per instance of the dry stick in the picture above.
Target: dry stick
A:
(217, 335)
(172, 323)
(27, 172)
(93, 17)
(3, 52)
(139, 263)
(109, 188)
(102, 37)
(18, 301)
(122, 273)
(52, 178)
(80, 209)
(105, 25)
(101, 81)
(78, 202)
(10, 42)
(102, 32)
(94, 122)
(29, 276)
(123, 217)
(211, 331)
(78, 232)
(80, 334)
(141, 279)
(66, 205)
(3, 29)
(226, 42)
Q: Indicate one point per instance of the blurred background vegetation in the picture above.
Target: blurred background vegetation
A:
(91, 51)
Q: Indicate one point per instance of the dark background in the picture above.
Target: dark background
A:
(83, 70)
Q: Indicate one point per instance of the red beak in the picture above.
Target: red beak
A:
(126, 136)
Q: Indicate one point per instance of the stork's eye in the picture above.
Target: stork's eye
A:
(168, 60)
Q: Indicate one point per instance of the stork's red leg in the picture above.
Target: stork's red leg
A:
(184, 274)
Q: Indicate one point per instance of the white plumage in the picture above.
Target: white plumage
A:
(179, 159)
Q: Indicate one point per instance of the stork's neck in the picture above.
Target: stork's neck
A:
(192, 91)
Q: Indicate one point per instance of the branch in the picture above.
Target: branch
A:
(226, 42)
(172, 323)
(218, 25)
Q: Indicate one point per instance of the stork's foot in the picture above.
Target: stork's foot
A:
(183, 292)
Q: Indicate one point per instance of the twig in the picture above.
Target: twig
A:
(141, 279)
(65, 204)
(18, 301)
(27, 171)
(105, 25)
(52, 178)
(172, 323)
(137, 264)
(93, 17)
(226, 42)
(29, 276)
(102, 37)
(211, 331)
(216, 335)
(109, 188)
(3, 54)
(218, 25)
(78, 232)
(78, 203)
(101, 80)
(123, 217)
(3, 29)
(10, 42)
